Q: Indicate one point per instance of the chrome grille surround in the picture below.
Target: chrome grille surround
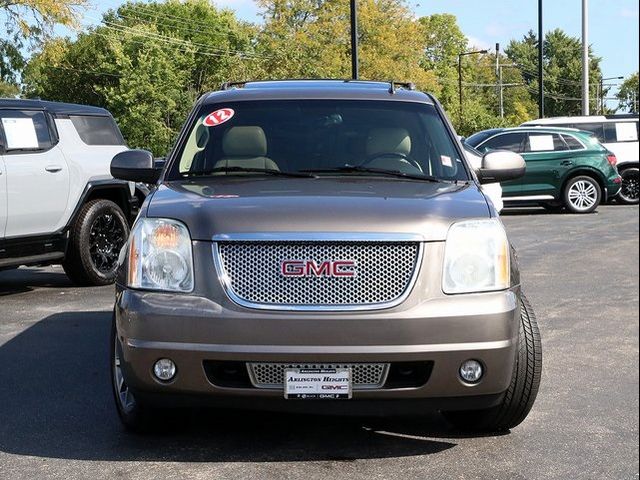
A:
(363, 375)
(248, 266)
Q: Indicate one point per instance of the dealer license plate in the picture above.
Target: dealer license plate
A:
(317, 383)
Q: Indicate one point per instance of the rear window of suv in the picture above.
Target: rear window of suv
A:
(95, 130)
(298, 135)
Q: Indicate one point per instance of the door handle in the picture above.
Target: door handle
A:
(566, 163)
(53, 168)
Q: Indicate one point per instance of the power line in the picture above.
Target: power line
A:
(175, 43)
(140, 8)
(92, 72)
(181, 28)
(211, 51)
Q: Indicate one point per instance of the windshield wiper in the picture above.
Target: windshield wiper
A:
(380, 171)
(266, 171)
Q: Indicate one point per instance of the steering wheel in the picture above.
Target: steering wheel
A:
(403, 156)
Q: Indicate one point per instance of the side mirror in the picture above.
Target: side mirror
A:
(135, 166)
(501, 165)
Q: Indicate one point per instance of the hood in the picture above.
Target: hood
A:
(237, 205)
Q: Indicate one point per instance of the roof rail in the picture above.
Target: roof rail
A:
(228, 85)
(392, 84)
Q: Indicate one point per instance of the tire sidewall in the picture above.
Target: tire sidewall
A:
(565, 194)
(133, 419)
(626, 173)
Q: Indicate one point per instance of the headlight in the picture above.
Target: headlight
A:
(476, 257)
(160, 256)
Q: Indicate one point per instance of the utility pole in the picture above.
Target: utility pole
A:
(540, 58)
(354, 40)
(585, 57)
(601, 91)
(501, 94)
(460, 55)
(502, 85)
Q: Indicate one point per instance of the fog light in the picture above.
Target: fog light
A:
(471, 371)
(164, 369)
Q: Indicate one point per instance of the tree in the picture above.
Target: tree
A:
(27, 24)
(146, 63)
(562, 65)
(629, 93)
(311, 39)
(442, 42)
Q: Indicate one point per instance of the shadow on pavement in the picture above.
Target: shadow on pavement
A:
(22, 280)
(55, 401)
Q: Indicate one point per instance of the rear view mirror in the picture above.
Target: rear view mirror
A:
(135, 166)
(501, 165)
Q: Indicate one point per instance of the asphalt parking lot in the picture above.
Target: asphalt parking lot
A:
(57, 418)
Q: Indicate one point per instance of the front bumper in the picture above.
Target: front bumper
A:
(444, 331)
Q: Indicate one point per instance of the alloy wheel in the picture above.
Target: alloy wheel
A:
(630, 186)
(583, 195)
(106, 238)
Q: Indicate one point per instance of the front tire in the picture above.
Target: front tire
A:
(523, 389)
(95, 240)
(582, 194)
(630, 185)
(135, 416)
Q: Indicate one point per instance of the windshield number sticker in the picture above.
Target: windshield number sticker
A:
(218, 117)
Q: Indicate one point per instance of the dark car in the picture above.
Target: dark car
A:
(566, 168)
(322, 247)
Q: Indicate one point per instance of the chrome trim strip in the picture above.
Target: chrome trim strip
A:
(319, 350)
(224, 279)
(319, 237)
(528, 198)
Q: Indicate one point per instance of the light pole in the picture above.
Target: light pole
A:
(585, 57)
(540, 58)
(460, 55)
(354, 40)
(601, 91)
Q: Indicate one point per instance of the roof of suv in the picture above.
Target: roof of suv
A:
(55, 108)
(317, 90)
(536, 128)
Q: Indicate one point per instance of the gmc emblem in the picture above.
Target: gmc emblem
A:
(309, 268)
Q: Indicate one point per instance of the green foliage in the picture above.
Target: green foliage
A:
(562, 65)
(146, 63)
(629, 94)
(311, 39)
(28, 23)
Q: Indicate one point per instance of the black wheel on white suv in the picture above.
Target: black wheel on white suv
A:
(582, 194)
(630, 186)
(95, 240)
(523, 389)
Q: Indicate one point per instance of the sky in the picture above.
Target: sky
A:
(613, 24)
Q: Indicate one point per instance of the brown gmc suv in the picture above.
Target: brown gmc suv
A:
(322, 247)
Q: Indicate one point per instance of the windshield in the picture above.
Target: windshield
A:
(321, 137)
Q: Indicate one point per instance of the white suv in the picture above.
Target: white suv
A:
(58, 201)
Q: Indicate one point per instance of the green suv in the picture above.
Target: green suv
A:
(566, 168)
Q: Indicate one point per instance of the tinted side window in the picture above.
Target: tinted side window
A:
(25, 130)
(572, 142)
(97, 130)
(506, 141)
(596, 128)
